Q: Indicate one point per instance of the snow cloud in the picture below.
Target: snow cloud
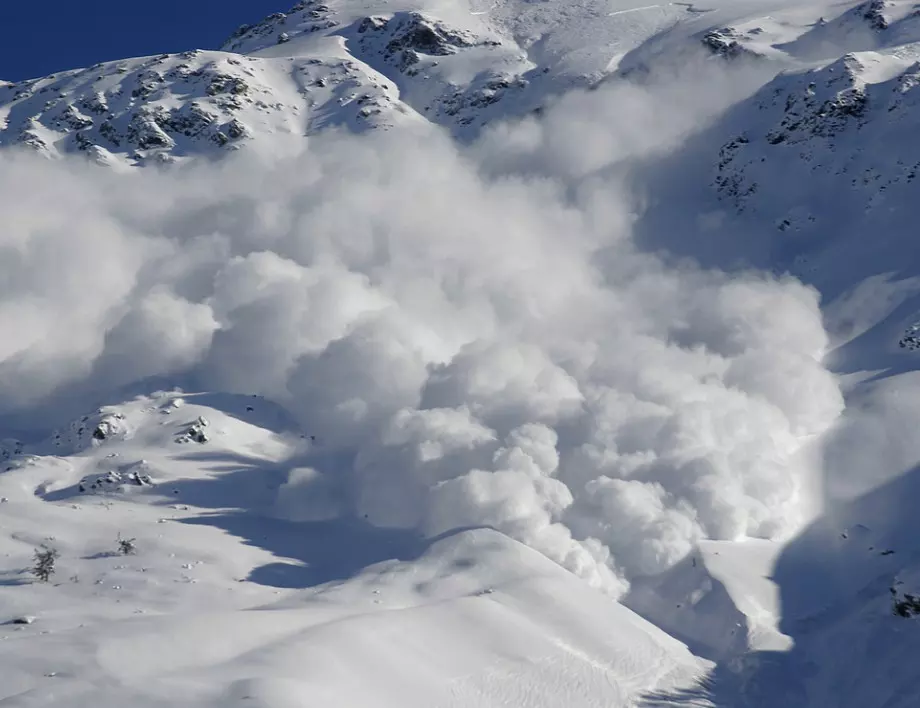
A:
(470, 332)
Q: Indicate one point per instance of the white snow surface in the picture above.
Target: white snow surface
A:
(224, 602)
(467, 353)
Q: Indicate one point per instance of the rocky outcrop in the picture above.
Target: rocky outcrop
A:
(406, 38)
(728, 43)
(910, 340)
(307, 16)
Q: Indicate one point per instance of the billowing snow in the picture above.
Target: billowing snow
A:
(224, 600)
(478, 353)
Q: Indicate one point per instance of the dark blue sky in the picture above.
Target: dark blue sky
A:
(44, 37)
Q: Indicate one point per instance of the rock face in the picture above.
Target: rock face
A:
(729, 43)
(90, 431)
(873, 13)
(406, 38)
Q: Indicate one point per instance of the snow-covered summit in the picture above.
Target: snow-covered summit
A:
(174, 106)
(306, 16)
(361, 65)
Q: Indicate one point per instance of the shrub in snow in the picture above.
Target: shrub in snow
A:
(126, 546)
(45, 559)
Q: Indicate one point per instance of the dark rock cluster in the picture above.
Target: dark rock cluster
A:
(408, 36)
(307, 16)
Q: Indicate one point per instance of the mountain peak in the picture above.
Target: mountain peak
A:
(278, 28)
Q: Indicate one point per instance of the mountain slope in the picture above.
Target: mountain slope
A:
(222, 601)
(831, 129)
(160, 109)
(507, 349)
(358, 65)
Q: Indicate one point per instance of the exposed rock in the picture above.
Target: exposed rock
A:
(145, 132)
(726, 42)
(467, 104)
(910, 340)
(809, 121)
(409, 35)
(280, 27)
(873, 13)
(195, 433)
(10, 448)
(114, 481)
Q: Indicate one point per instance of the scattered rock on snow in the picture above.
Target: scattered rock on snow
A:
(195, 433)
(10, 448)
(910, 340)
(112, 481)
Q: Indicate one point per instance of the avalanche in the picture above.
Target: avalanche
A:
(466, 354)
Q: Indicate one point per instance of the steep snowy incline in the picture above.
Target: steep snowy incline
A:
(467, 63)
(160, 109)
(833, 128)
(496, 351)
(812, 31)
(847, 589)
(823, 166)
(218, 599)
(816, 174)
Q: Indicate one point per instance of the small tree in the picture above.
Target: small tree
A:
(45, 559)
(126, 546)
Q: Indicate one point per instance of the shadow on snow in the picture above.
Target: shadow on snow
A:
(834, 580)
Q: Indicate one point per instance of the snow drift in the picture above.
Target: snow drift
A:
(471, 344)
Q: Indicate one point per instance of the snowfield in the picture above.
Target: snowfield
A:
(323, 613)
(465, 354)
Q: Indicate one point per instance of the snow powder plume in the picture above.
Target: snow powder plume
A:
(472, 343)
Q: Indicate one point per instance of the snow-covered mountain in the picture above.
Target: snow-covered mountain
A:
(360, 65)
(830, 151)
(197, 103)
(482, 431)
(293, 74)
(193, 617)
